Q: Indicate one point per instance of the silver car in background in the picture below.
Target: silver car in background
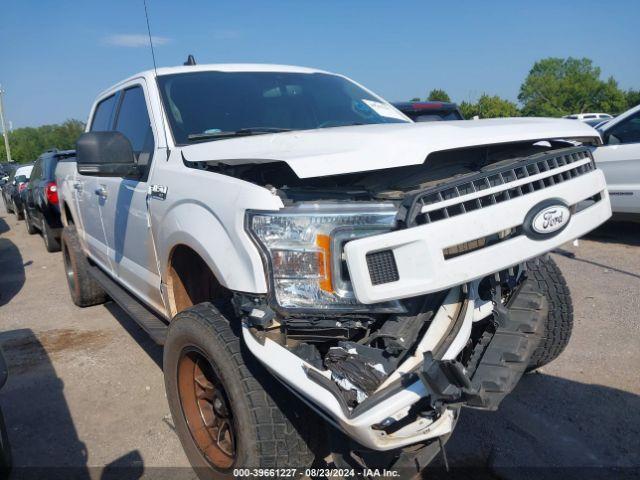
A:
(619, 159)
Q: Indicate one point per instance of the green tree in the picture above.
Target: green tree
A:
(556, 86)
(467, 109)
(632, 97)
(489, 106)
(438, 95)
(415, 99)
(28, 143)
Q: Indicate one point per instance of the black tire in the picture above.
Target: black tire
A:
(85, 291)
(264, 433)
(559, 323)
(6, 459)
(51, 243)
(27, 222)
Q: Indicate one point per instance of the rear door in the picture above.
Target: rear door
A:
(619, 159)
(89, 191)
(124, 209)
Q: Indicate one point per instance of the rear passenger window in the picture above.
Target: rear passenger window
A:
(36, 173)
(133, 121)
(102, 116)
(49, 166)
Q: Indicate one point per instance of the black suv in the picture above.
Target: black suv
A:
(430, 111)
(40, 199)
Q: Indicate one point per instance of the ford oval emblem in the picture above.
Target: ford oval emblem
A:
(547, 219)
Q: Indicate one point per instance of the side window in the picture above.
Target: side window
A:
(133, 121)
(36, 173)
(627, 131)
(102, 116)
(49, 167)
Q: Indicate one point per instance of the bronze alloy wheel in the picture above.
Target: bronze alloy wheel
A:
(206, 409)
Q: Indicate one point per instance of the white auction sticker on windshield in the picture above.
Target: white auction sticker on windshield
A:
(384, 110)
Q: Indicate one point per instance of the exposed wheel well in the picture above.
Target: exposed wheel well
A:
(67, 214)
(191, 281)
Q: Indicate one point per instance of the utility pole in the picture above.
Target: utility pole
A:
(4, 127)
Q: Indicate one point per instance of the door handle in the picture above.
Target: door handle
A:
(101, 191)
(77, 186)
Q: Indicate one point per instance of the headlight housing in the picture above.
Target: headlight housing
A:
(303, 246)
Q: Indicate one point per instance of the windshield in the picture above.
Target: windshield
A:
(206, 105)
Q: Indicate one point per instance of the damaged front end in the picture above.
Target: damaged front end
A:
(389, 308)
(394, 380)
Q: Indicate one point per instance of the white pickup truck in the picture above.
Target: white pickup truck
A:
(297, 244)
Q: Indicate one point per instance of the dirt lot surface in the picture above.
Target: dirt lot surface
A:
(86, 387)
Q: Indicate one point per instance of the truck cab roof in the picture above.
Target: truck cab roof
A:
(216, 67)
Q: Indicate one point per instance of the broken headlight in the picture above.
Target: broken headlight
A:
(303, 246)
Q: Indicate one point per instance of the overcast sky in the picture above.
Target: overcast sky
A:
(56, 56)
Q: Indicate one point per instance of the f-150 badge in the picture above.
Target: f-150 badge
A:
(158, 191)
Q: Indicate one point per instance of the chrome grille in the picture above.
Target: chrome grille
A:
(505, 183)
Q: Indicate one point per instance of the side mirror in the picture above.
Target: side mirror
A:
(106, 154)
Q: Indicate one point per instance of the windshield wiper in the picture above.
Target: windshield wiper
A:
(243, 132)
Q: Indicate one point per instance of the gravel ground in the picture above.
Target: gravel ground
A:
(86, 388)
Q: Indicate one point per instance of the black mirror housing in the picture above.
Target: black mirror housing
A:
(106, 154)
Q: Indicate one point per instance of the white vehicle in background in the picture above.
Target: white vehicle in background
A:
(619, 159)
(285, 233)
(583, 117)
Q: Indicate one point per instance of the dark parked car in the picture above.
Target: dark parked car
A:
(40, 199)
(14, 186)
(5, 169)
(430, 111)
(6, 178)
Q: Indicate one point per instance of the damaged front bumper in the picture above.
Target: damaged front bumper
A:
(418, 401)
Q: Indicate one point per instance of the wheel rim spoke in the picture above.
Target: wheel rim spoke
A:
(206, 409)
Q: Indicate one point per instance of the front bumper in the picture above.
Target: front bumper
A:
(442, 381)
(419, 251)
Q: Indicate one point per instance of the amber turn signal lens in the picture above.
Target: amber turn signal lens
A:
(324, 262)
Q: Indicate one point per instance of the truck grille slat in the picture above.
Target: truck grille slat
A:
(536, 165)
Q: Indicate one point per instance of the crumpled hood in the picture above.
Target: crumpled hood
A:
(334, 151)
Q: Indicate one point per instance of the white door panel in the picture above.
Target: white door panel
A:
(92, 233)
(621, 167)
(130, 246)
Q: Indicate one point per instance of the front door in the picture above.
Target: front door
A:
(89, 192)
(124, 208)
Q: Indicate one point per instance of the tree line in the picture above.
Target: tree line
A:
(554, 87)
(29, 142)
